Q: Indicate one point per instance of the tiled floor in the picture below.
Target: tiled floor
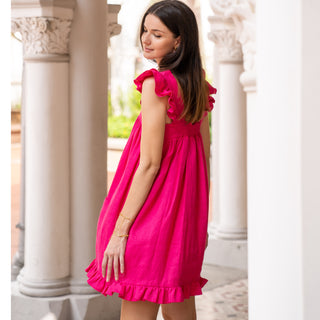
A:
(225, 296)
(227, 302)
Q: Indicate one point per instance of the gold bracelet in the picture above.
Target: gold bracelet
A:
(119, 235)
(125, 217)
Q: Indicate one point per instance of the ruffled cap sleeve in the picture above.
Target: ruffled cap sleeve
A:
(160, 88)
(211, 100)
(165, 85)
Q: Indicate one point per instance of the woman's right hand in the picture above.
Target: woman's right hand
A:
(113, 256)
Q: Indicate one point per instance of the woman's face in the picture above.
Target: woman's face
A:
(157, 39)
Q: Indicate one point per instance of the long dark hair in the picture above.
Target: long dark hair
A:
(185, 62)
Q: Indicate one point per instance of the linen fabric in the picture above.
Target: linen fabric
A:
(166, 242)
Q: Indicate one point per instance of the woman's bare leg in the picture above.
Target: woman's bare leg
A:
(139, 310)
(185, 310)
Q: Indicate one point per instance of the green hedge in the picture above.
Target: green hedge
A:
(119, 126)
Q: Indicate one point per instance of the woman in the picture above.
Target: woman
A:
(153, 223)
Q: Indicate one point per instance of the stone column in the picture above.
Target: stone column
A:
(88, 113)
(47, 236)
(228, 229)
(232, 133)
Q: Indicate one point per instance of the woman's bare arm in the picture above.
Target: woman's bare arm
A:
(153, 111)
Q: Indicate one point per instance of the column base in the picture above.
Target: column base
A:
(80, 287)
(16, 266)
(229, 233)
(227, 253)
(67, 307)
(44, 288)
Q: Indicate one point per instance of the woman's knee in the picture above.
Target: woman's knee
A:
(180, 310)
(165, 315)
(139, 310)
(178, 316)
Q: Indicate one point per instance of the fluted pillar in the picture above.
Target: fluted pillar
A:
(232, 222)
(47, 236)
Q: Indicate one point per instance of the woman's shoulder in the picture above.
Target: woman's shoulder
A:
(165, 85)
(163, 74)
(163, 79)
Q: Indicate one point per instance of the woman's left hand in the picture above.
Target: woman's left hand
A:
(113, 256)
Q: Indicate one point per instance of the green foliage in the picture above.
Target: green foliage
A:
(110, 108)
(120, 126)
(210, 127)
(121, 101)
(134, 102)
(16, 107)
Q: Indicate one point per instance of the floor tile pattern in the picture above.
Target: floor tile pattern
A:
(227, 302)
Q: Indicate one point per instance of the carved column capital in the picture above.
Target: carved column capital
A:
(242, 13)
(220, 6)
(223, 34)
(43, 37)
(113, 27)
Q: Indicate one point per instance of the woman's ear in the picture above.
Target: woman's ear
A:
(177, 42)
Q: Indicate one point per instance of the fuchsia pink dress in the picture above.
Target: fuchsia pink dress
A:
(166, 243)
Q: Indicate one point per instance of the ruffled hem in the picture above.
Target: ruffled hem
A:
(162, 89)
(132, 292)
